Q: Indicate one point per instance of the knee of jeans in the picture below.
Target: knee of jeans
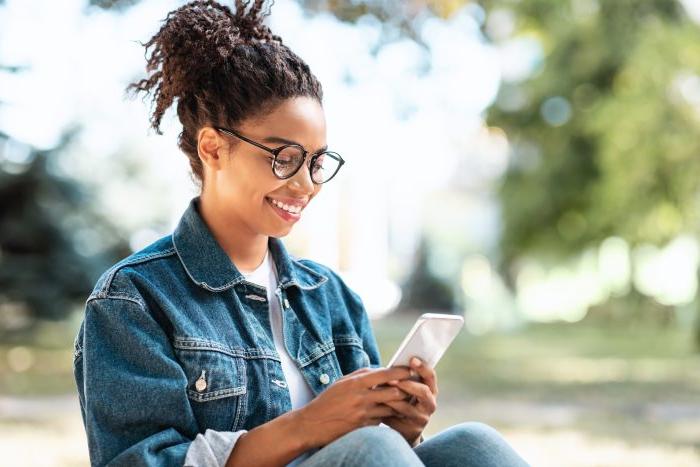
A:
(476, 432)
(376, 434)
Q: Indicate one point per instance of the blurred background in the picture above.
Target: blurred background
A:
(532, 165)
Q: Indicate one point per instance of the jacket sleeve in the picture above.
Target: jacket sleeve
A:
(132, 392)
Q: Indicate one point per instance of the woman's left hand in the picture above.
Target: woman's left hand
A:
(412, 418)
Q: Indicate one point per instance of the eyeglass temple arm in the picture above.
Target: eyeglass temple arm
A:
(254, 143)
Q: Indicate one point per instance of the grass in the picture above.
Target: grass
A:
(38, 363)
(634, 385)
(563, 394)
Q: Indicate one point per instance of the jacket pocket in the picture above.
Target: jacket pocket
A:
(350, 353)
(216, 383)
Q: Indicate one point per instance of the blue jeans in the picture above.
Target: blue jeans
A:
(465, 444)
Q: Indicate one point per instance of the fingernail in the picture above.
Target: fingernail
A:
(394, 381)
(416, 362)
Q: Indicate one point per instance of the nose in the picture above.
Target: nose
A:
(302, 178)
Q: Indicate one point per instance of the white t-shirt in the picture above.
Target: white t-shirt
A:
(299, 390)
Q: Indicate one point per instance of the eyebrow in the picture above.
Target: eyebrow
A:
(279, 139)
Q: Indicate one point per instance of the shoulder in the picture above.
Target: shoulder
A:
(116, 281)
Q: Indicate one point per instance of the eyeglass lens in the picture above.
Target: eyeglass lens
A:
(290, 158)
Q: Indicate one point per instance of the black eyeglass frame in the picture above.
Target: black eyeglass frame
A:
(277, 150)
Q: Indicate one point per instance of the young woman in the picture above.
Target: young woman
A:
(213, 345)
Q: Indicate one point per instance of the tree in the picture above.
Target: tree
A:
(423, 290)
(47, 224)
(53, 242)
(604, 135)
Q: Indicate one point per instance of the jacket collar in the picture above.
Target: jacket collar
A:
(208, 265)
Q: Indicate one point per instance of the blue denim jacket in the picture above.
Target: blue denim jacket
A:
(178, 312)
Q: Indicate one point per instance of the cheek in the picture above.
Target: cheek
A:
(251, 184)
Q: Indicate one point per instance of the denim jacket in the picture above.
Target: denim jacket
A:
(175, 341)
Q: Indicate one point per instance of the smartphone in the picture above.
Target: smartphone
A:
(428, 339)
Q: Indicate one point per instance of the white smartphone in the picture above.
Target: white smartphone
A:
(428, 339)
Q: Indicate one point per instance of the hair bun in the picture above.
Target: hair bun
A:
(250, 24)
(221, 67)
(194, 42)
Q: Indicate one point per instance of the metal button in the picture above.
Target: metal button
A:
(201, 383)
(324, 378)
(286, 303)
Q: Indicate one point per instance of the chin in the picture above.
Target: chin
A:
(279, 232)
(283, 233)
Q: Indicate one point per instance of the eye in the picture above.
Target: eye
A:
(290, 155)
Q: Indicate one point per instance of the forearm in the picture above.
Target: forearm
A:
(274, 443)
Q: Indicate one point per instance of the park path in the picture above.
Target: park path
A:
(48, 431)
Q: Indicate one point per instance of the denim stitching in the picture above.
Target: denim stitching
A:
(204, 284)
(213, 395)
(242, 409)
(322, 350)
(194, 344)
(103, 292)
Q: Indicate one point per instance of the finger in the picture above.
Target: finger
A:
(420, 391)
(427, 374)
(383, 375)
(404, 409)
(359, 371)
(387, 394)
(380, 411)
(393, 420)
(410, 415)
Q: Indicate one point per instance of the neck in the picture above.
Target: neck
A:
(244, 247)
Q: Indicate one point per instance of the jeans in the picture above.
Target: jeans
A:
(465, 444)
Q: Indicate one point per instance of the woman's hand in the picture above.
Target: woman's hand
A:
(412, 418)
(349, 403)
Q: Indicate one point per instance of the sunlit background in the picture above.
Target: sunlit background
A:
(532, 165)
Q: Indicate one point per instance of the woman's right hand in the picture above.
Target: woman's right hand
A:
(351, 402)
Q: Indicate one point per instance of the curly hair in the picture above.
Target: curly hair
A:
(222, 68)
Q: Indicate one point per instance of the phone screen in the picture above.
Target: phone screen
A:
(429, 338)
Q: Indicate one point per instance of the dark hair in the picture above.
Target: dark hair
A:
(221, 67)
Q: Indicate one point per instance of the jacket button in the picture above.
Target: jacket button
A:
(324, 378)
(286, 303)
(201, 383)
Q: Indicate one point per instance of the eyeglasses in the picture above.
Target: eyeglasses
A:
(290, 157)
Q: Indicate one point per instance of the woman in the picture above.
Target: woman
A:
(214, 346)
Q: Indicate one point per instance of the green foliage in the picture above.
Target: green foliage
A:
(625, 161)
(116, 5)
(53, 244)
(399, 19)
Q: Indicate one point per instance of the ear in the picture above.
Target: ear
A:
(209, 146)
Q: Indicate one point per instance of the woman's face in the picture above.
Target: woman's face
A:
(243, 184)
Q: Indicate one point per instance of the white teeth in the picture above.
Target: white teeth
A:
(292, 209)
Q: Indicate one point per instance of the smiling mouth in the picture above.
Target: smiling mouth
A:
(286, 215)
(294, 208)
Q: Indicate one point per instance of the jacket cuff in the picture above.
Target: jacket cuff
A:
(212, 449)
